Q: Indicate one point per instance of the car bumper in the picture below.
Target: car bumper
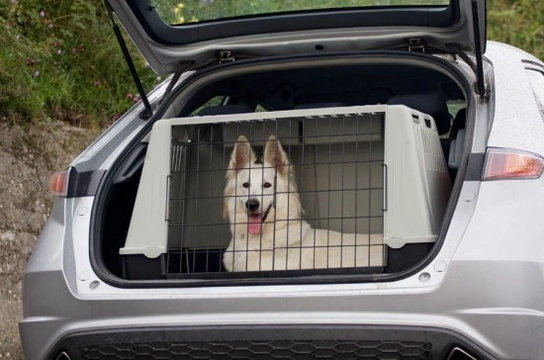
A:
(471, 317)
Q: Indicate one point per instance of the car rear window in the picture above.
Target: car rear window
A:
(176, 12)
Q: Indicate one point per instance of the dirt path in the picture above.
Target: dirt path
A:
(28, 156)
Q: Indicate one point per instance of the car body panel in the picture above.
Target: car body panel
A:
(511, 126)
(461, 305)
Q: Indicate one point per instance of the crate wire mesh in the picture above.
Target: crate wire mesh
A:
(338, 163)
(341, 159)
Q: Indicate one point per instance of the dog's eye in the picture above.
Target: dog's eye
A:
(246, 185)
(267, 185)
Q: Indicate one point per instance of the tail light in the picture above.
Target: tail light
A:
(502, 164)
(58, 184)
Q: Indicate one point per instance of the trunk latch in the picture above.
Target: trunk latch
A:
(416, 44)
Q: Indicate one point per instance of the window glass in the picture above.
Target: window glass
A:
(178, 12)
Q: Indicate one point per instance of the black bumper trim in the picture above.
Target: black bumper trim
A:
(84, 183)
(267, 342)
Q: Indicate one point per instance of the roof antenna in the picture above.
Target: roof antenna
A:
(148, 112)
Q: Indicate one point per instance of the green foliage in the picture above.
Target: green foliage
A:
(190, 11)
(517, 22)
(59, 58)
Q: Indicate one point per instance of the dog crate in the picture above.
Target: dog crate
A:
(376, 173)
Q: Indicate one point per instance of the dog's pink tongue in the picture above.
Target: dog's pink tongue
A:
(254, 224)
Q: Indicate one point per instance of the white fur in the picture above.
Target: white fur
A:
(286, 241)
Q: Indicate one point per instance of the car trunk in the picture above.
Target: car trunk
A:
(368, 139)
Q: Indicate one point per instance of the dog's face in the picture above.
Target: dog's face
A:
(254, 193)
(251, 187)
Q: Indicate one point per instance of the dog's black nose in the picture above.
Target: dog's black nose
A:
(252, 204)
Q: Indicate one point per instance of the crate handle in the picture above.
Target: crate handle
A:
(384, 207)
(167, 207)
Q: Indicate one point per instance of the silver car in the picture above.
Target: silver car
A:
(410, 152)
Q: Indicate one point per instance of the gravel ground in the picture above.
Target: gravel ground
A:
(28, 156)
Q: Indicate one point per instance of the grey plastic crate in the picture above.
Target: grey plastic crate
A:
(364, 170)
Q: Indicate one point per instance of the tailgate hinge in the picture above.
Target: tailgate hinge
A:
(226, 56)
(479, 87)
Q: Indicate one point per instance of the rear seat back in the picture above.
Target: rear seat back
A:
(225, 110)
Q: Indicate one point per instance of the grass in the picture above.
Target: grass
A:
(519, 23)
(59, 58)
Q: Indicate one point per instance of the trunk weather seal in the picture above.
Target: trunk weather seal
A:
(320, 277)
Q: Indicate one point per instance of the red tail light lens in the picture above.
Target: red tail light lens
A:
(502, 164)
(58, 184)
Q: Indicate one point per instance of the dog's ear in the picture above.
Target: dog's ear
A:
(275, 155)
(242, 154)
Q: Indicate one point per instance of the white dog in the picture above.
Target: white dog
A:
(268, 233)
